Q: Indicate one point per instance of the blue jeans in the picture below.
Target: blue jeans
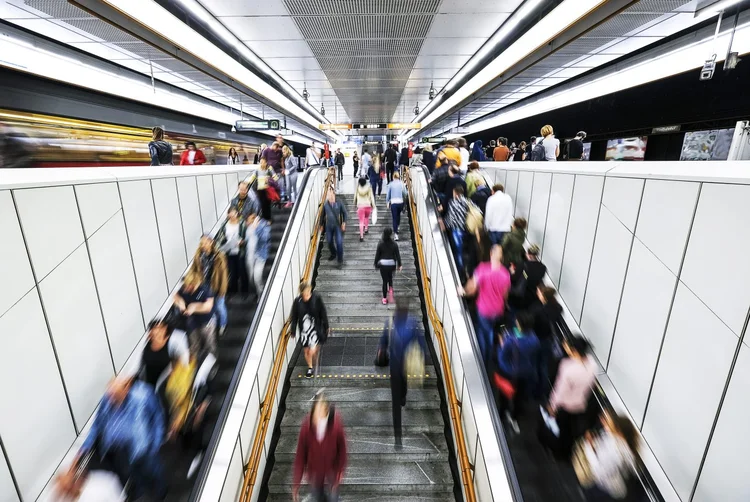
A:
(485, 337)
(337, 248)
(220, 309)
(458, 242)
(497, 237)
(396, 214)
(377, 185)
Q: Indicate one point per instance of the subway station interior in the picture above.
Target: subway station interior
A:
(370, 250)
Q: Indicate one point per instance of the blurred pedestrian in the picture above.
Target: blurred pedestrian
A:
(334, 222)
(364, 171)
(501, 153)
(605, 460)
(340, 161)
(455, 221)
(390, 161)
(232, 244)
(159, 150)
(309, 313)
(513, 250)
(246, 200)
(258, 235)
(477, 152)
(570, 395)
(464, 151)
(394, 198)
(211, 264)
(402, 341)
(473, 177)
(355, 161)
(520, 152)
(290, 174)
(195, 300)
(517, 362)
(575, 146)
(491, 284)
(233, 158)
(387, 260)
(164, 346)
(551, 143)
(364, 201)
(375, 176)
(498, 215)
(547, 313)
(126, 435)
(428, 158)
(321, 452)
(192, 156)
(482, 194)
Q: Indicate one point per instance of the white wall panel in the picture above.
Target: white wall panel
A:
(75, 320)
(622, 196)
(511, 185)
(143, 235)
(721, 235)
(666, 214)
(8, 491)
(15, 268)
(523, 196)
(232, 182)
(207, 202)
(220, 193)
(39, 430)
(726, 471)
(561, 195)
(644, 309)
(579, 243)
(51, 225)
(233, 481)
(97, 203)
(170, 228)
(191, 213)
(538, 212)
(693, 369)
(608, 265)
(118, 294)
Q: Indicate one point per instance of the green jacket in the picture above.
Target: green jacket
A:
(513, 250)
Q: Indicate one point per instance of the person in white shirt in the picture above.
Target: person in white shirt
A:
(232, 245)
(465, 155)
(312, 157)
(498, 216)
(366, 163)
(232, 158)
(551, 143)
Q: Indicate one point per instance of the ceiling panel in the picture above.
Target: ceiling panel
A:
(478, 6)
(244, 7)
(451, 46)
(280, 48)
(261, 27)
(451, 25)
(292, 63)
(455, 62)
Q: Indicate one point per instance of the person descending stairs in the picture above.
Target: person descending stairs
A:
(360, 391)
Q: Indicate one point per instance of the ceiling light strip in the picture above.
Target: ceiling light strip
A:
(157, 19)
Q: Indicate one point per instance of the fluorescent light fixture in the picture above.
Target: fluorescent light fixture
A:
(564, 15)
(680, 60)
(159, 20)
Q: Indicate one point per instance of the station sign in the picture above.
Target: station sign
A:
(666, 129)
(334, 127)
(255, 125)
(405, 125)
(438, 139)
(369, 126)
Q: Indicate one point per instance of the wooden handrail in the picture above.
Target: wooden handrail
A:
(454, 405)
(251, 469)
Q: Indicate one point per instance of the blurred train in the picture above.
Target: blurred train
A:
(33, 140)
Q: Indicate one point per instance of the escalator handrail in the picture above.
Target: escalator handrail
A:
(210, 451)
(487, 391)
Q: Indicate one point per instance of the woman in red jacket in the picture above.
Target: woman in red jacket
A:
(321, 452)
(192, 156)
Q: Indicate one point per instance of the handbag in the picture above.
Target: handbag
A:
(374, 215)
(581, 465)
(505, 386)
(382, 358)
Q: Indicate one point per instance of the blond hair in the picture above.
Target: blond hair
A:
(193, 278)
(547, 130)
(286, 151)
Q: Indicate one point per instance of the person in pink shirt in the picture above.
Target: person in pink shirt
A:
(570, 395)
(491, 285)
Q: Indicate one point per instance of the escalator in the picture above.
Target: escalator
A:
(241, 313)
(361, 392)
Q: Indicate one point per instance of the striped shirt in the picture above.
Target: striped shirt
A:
(457, 210)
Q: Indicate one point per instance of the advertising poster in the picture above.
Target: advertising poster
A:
(627, 148)
(707, 145)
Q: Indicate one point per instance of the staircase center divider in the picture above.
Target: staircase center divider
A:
(240, 451)
(478, 437)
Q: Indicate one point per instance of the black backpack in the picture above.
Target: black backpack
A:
(538, 152)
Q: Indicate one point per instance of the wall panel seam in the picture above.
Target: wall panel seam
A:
(671, 306)
(546, 218)
(132, 260)
(10, 470)
(625, 278)
(567, 232)
(96, 286)
(158, 235)
(182, 223)
(44, 313)
(591, 256)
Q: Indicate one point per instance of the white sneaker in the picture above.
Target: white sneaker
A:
(222, 330)
(195, 465)
(513, 424)
(395, 237)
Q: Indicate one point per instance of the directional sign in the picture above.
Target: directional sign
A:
(334, 127)
(438, 139)
(255, 125)
(407, 125)
(369, 126)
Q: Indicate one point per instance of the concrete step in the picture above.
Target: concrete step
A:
(418, 447)
(357, 377)
(302, 396)
(373, 282)
(378, 497)
(364, 477)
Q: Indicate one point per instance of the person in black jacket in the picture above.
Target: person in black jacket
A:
(387, 258)
(340, 161)
(481, 194)
(530, 275)
(390, 161)
(547, 313)
(309, 312)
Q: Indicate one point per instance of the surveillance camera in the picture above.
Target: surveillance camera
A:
(234, 129)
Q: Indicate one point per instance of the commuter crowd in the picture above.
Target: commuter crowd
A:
(166, 400)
